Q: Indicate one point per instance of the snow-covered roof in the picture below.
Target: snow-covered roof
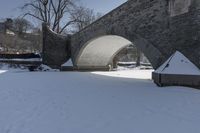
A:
(178, 64)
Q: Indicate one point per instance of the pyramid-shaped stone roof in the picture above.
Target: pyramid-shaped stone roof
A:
(178, 64)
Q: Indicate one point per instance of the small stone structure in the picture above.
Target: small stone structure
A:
(177, 70)
(176, 80)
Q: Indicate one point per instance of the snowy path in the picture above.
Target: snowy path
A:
(55, 102)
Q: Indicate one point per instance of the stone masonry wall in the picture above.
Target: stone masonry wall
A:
(56, 48)
(150, 25)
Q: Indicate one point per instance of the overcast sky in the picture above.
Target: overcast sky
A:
(10, 8)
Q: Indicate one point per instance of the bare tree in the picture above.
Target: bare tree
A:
(21, 25)
(85, 16)
(52, 12)
(138, 58)
(8, 24)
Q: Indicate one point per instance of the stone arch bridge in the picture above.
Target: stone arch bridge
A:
(157, 27)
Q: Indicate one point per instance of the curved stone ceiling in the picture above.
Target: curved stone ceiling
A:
(100, 51)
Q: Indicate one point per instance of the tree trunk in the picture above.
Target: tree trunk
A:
(138, 58)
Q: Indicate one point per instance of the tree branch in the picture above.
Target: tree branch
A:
(66, 25)
(29, 14)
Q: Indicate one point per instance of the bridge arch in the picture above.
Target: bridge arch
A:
(99, 52)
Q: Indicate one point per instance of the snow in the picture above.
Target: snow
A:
(133, 63)
(178, 64)
(133, 67)
(127, 63)
(12, 68)
(20, 68)
(45, 68)
(134, 73)
(28, 60)
(98, 102)
(68, 63)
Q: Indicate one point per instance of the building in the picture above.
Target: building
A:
(2, 27)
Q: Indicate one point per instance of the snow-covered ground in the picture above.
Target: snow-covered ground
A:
(98, 102)
(125, 73)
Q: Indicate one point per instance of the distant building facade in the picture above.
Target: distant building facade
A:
(2, 27)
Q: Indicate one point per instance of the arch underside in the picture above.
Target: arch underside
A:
(99, 52)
